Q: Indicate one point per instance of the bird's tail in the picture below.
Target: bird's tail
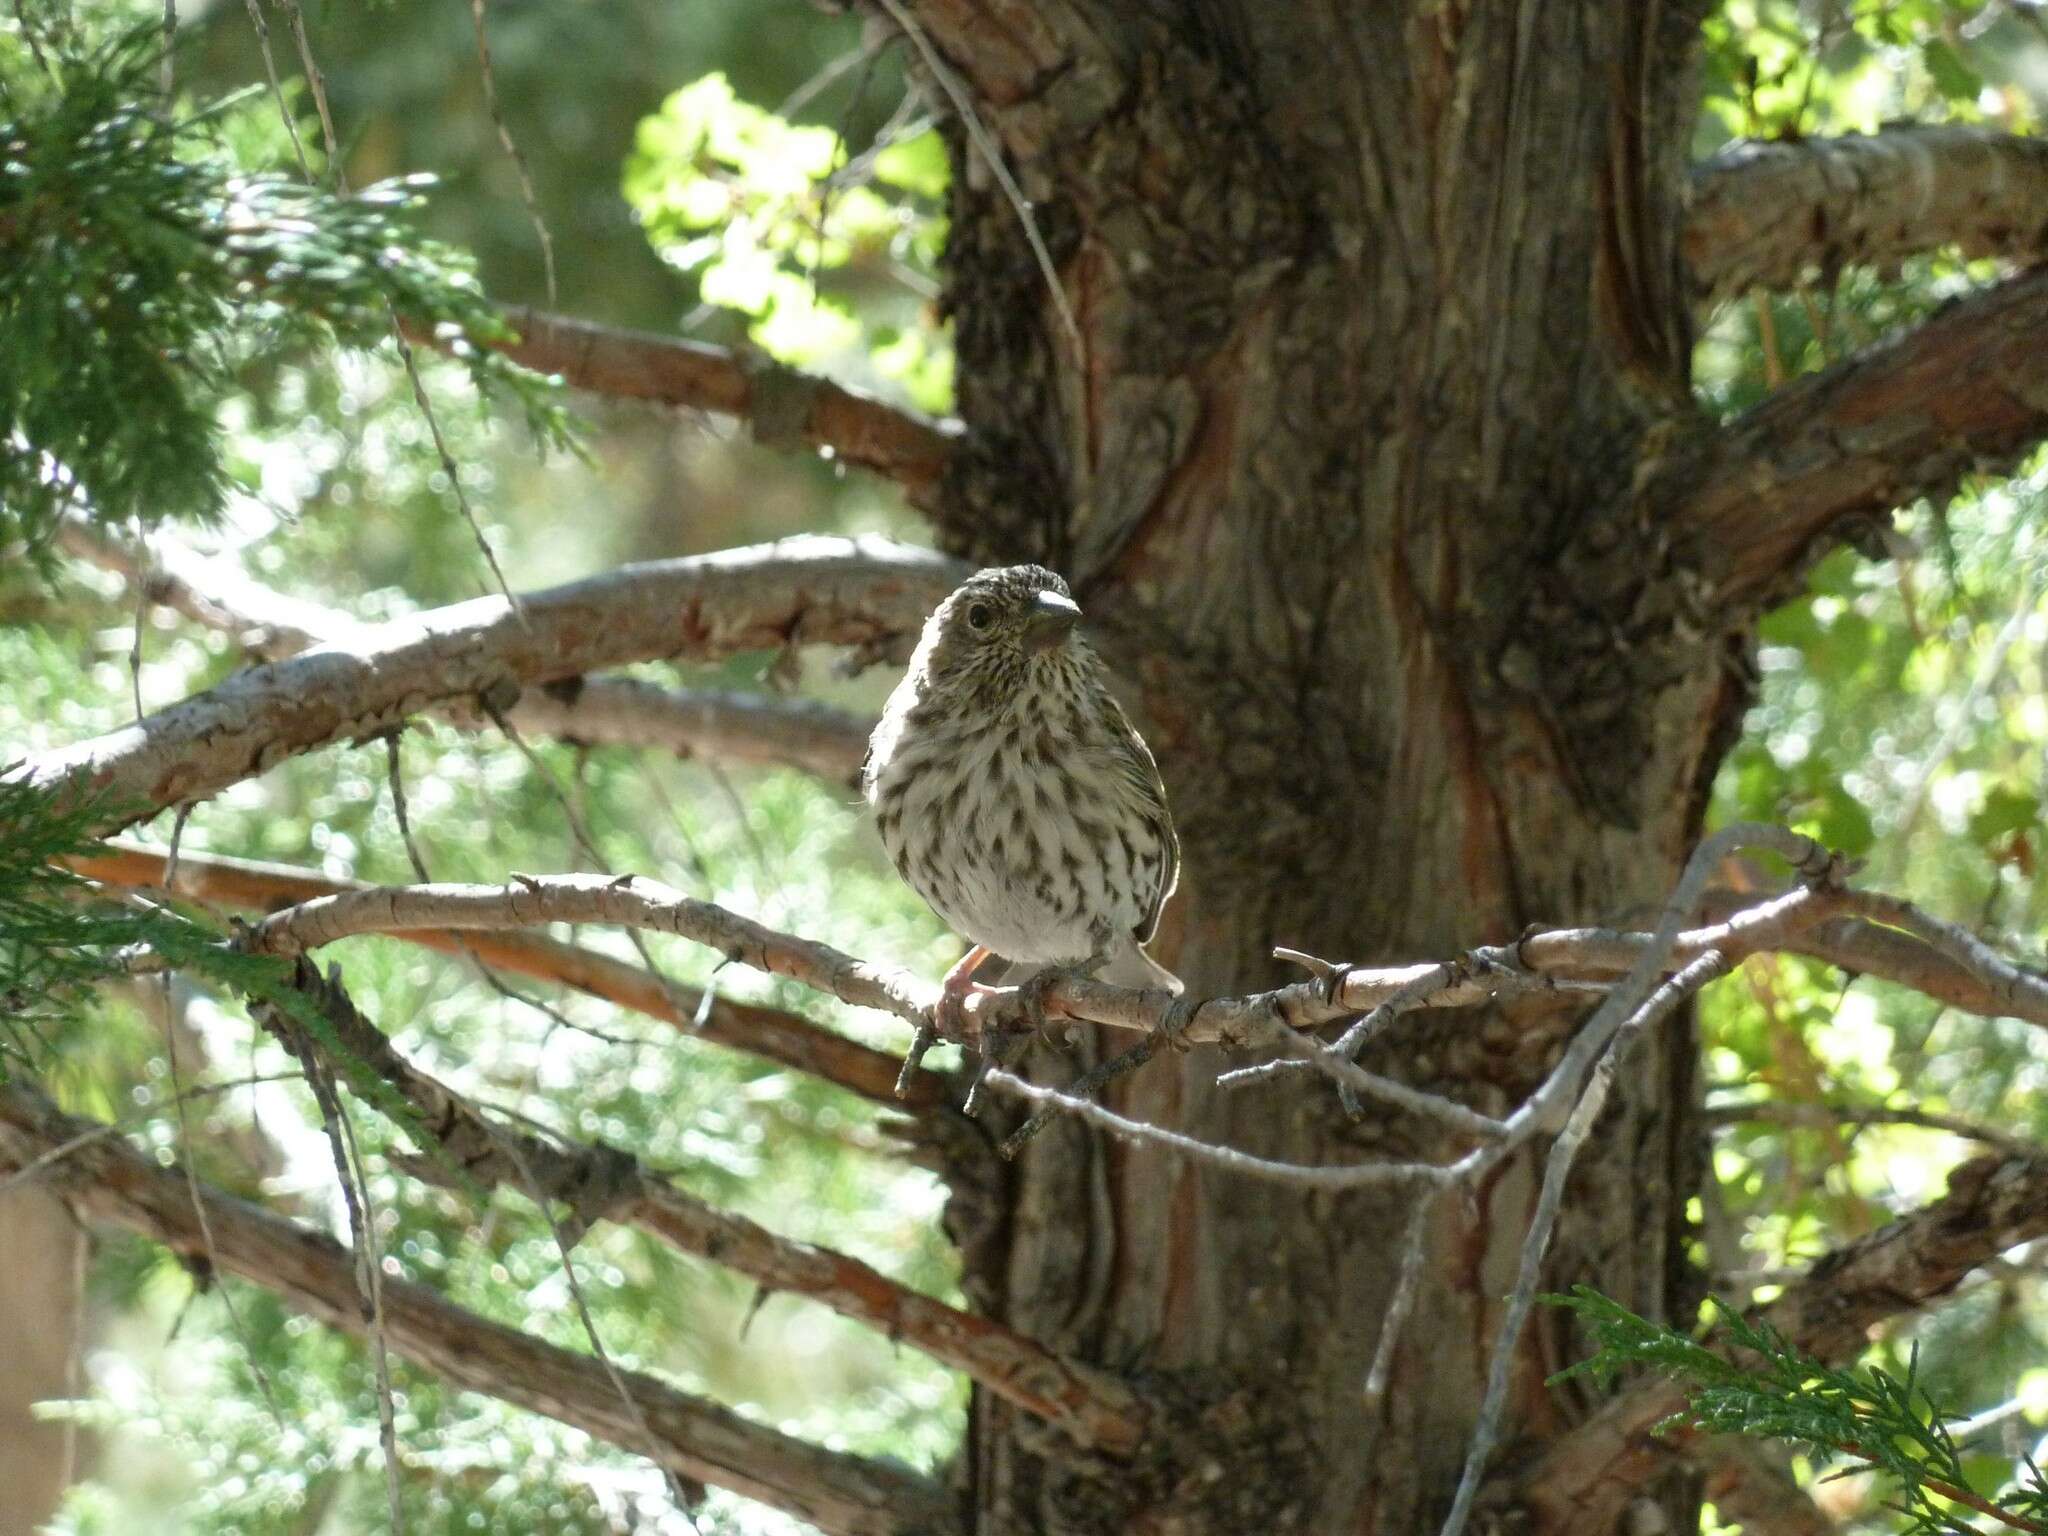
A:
(1132, 967)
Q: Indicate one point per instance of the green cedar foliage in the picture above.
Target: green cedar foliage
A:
(1864, 1417)
(142, 269)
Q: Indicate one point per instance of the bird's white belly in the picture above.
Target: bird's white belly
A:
(1021, 865)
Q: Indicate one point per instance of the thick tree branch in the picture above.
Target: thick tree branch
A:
(771, 1033)
(751, 730)
(781, 406)
(599, 1182)
(1769, 215)
(1967, 391)
(807, 590)
(1584, 1479)
(104, 1179)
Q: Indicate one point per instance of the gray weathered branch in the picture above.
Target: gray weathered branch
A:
(1771, 215)
(106, 1180)
(751, 730)
(1595, 954)
(1964, 392)
(797, 591)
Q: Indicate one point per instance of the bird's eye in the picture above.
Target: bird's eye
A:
(978, 616)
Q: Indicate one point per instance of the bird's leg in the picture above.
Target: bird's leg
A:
(955, 987)
(949, 1014)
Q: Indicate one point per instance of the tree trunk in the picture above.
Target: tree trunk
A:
(1379, 312)
(42, 1273)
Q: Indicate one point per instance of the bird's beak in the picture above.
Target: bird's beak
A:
(1052, 618)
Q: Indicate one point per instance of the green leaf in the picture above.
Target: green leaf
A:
(1951, 75)
(2005, 810)
(916, 165)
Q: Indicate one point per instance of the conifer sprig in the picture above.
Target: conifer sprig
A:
(1764, 1388)
(141, 269)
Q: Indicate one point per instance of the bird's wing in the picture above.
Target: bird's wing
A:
(1148, 793)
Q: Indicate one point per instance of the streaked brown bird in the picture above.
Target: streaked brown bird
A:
(1015, 796)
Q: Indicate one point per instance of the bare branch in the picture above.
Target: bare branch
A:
(1965, 392)
(785, 1038)
(1830, 1116)
(781, 406)
(1300, 1175)
(1994, 1203)
(1550, 1202)
(752, 730)
(628, 900)
(1774, 924)
(1770, 215)
(806, 590)
(106, 1180)
(741, 729)
(600, 1182)
(2018, 992)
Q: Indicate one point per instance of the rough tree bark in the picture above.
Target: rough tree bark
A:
(42, 1269)
(1380, 312)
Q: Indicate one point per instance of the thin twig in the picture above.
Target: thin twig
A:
(578, 828)
(1557, 1170)
(991, 152)
(318, 83)
(683, 1500)
(201, 1219)
(355, 1194)
(512, 149)
(1092, 1081)
(1821, 1116)
(1304, 1175)
(1636, 1003)
(1414, 1248)
(170, 60)
(28, 35)
(373, 1267)
(291, 124)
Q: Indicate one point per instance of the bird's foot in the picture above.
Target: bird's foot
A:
(1034, 991)
(948, 1015)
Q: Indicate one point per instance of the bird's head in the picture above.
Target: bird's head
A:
(1001, 627)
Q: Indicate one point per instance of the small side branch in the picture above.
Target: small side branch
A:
(1965, 392)
(106, 1180)
(1994, 1203)
(1771, 215)
(781, 406)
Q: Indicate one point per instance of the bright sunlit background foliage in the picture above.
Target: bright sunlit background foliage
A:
(753, 171)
